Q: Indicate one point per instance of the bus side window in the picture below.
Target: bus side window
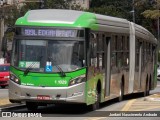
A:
(93, 45)
(93, 49)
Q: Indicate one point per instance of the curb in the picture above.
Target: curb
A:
(11, 106)
(151, 99)
(154, 97)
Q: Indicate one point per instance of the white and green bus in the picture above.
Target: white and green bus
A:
(67, 56)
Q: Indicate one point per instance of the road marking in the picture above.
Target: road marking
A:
(128, 105)
(95, 118)
(125, 108)
(150, 108)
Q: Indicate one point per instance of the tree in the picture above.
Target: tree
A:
(117, 8)
(153, 12)
(15, 11)
(150, 12)
(57, 4)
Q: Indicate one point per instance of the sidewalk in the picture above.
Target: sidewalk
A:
(148, 103)
(154, 97)
(4, 101)
(5, 104)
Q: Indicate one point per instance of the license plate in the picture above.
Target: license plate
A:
(43, 97)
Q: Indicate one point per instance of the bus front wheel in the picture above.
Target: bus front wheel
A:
(96, 105)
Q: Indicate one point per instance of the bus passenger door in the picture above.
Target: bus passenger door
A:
(140, 66)
(154, 62)
(107, 52)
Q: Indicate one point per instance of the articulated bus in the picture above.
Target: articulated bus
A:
(68, 57)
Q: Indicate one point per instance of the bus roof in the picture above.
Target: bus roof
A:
(73, 18)
(57, 17)
(68, 18)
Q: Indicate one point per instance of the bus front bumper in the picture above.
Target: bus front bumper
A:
(71, 94)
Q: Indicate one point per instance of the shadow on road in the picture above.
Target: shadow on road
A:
(72, 110)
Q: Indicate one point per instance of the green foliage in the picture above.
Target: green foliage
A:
(153, 12)
(123, 8)
(11, 15)
(144, 10)
(18, 11)
(117, 8)
(110, 10)
(149, 12)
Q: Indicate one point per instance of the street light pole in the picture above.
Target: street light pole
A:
(158, 29)
(133, 11)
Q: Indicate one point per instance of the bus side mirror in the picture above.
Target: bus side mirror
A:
(4, 39)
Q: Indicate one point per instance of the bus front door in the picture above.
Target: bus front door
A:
(107, 52)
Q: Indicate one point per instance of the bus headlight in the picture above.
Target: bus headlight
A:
(14, 78)
(77, 80)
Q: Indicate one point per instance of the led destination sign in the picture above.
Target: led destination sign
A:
(49, 32)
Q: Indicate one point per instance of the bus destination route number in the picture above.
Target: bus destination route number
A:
(49, 32)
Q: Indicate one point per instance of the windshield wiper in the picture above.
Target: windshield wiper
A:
(59, 68)
(29, 68)
(31, 65)
(61, 71)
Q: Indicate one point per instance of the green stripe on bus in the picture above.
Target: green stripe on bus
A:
(49, 80)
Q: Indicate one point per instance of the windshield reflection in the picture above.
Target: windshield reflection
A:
(46, 55)
(68, 55)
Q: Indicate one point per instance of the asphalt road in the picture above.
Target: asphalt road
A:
(64, 112)
(4, 92)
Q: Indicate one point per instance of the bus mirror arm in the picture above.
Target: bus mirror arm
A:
(10, 29)
(4, 39)
(93, 35)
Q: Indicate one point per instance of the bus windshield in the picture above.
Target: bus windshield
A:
(46, 55)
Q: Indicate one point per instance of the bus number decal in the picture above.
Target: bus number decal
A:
(62, 82)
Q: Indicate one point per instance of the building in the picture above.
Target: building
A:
(82, 3)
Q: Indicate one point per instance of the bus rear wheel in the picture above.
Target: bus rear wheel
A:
(31, 106)
(121, 93)
(146, 91)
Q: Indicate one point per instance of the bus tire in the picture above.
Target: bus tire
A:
(14, 101)
(146, 91)
(121, 93)
(96, 105)
(31, 106)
